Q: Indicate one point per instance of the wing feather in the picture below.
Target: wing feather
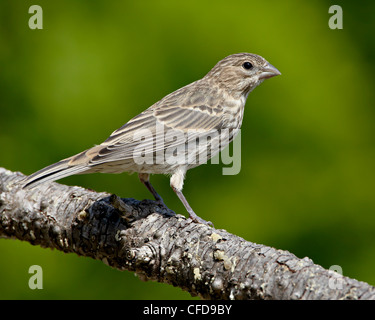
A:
(163, 127)
(189, 113)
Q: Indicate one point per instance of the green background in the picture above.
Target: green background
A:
(308, 177)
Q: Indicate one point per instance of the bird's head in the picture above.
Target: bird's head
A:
(240, 73)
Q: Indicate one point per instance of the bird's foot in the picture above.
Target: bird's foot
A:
(198, 219)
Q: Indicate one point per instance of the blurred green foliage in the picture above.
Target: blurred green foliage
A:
(308, 153)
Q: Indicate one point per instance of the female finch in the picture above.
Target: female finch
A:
(177, 133)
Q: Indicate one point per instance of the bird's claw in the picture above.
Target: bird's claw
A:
(197, 219)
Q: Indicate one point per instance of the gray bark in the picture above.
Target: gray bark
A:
(142, 237)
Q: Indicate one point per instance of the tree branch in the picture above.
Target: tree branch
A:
(143, 237)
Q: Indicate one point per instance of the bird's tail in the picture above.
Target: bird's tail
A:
(56, 171)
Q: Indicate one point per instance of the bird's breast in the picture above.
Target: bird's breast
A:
(234, 110)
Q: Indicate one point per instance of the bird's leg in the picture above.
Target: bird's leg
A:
(176, 184)
(192, 215)
(145, 179)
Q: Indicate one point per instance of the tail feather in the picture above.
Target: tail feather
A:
(53, 172)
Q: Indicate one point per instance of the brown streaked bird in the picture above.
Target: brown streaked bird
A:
(169, 136)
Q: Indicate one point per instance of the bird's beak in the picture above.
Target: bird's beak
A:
(268, 71)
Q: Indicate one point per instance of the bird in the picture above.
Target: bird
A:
(179, 132)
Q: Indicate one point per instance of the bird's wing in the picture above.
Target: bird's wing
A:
(156, 129)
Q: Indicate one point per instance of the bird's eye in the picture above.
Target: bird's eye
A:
(247, 65)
